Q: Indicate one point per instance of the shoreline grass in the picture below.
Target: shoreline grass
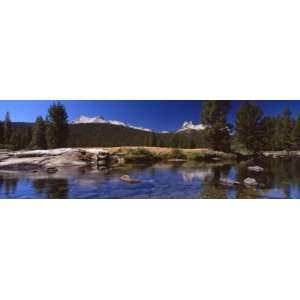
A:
(155, 154)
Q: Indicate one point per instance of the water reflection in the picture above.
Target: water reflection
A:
(8, 185)
(280, 179)
(53, 188)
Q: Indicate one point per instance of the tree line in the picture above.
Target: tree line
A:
(50, 133)
(251, 132)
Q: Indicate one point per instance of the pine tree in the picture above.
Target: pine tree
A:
(214, 116)
(284, 130)
(192, 144)
(175, 141)
(248, 126)
(15, 141)
(1, 133)
(146, 140)
(268, 127)
(296, 134)
(57, 128)
(152, 141)
(39, 134)
(7, 129)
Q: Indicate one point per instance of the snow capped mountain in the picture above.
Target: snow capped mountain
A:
(101, 120)
(190, 126)
(84, 119)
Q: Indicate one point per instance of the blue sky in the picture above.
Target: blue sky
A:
(157, 115)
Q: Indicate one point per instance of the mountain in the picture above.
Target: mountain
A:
(101, 120)
(186, 126)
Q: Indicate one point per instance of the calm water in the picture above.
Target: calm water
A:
(281, 179)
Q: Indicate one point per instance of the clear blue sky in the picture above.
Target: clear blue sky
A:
(157, 115)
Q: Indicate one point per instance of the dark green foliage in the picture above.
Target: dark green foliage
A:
(140, 155)
(248, 126)
(152, 139)
(175, 141)
(283, 131)
(268, 125)
(57, 128)
(39, 134)
(176, 154)
(215, 111)
(1, 133)
(7, 129)
(218, 136)
(192, 144)
(296, 134)
(214, 116)
(15, 141)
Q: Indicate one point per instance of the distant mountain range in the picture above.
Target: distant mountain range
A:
(186, 126)
(101, 120)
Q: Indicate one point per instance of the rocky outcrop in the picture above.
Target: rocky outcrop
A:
(50, 160)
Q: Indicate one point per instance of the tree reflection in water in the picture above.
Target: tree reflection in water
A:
(211, 187)
(52, 188)
(8, 185)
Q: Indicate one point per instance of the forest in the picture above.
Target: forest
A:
(251, 132)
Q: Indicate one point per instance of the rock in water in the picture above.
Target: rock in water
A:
(256, 169)
(128, 179)
(51, 170)
(250, 182)
(229, 182)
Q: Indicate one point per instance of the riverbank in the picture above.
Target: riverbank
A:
(50, 160)
(82, 157)
(141, 154)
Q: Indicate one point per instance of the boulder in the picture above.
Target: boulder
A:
(229, 182)
(250, 182)
(128, 179)
(256, 169)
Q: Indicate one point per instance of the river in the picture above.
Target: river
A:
(280, 179)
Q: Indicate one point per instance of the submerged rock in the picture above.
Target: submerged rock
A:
(229, 182)
(250, 182)
(128, 179)
(256, 169)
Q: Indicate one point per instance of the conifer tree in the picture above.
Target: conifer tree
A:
(214, 116)
(7, 129)
(57, 128)
(15, 141)
(175, 141)
(248, 126)
(284, 130)
(296, 134)
(269, 128)
(39, 134)
(152, 140)
(1, 133)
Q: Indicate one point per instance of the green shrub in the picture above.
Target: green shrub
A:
(176, 154)
(140, 155)
(211, 155)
